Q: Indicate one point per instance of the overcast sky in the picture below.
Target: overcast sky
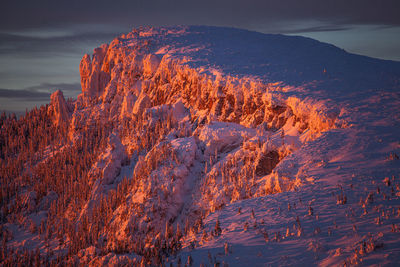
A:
(42, 42)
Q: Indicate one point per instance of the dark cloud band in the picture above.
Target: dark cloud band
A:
(27, 14)
(40, 92)
(23, 94)
(72, 43)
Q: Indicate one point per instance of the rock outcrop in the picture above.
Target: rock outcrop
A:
(59, 108)
(137, 71)
(93, 78)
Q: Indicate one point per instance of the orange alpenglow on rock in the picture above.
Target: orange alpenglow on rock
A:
(59, 108)
(93, 78)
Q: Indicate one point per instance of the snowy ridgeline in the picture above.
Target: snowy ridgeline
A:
(241, 147)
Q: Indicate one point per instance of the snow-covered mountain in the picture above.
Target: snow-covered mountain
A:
(210, 145)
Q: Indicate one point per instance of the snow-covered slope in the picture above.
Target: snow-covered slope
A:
(285, 141)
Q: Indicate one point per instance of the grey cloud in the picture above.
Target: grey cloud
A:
(330, 28)
(23, 94)
(69, 89)
(13, 43)
(40, 92)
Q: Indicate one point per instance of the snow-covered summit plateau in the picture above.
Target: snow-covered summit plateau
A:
(227, 146)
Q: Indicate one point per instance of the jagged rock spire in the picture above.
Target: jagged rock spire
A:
(59, 108)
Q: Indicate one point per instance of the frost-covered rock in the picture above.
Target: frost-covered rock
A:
(59, 109)
(141, 104)
(93, 78)
(85, 71)
(266, 162)
(186, 149)
(128, 105)
(109, 164)
(223, 136)
(112, 159)
(150, 65)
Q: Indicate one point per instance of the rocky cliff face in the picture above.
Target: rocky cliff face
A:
(134, 73)
(93, 78)
(180, 126)
(59, 108)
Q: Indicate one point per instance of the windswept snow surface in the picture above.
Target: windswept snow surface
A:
(292, 60)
